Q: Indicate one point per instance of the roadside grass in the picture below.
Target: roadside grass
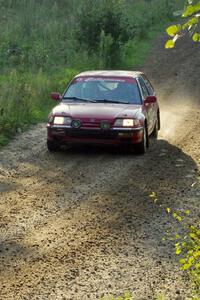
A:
(25, 99)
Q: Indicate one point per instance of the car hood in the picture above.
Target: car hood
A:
(99, 110)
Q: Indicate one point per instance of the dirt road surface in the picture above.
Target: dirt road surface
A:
(79, 224)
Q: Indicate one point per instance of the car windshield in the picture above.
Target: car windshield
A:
(103, 90)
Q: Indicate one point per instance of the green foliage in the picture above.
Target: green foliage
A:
(196, 37)
(192, 13)
(173, 30)
(187, 242)
(24, 98)
(116, 23)
(189, 249)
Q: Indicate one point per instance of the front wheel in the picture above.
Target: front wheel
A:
(53, 146)
(141, 148)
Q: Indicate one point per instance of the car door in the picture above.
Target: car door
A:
(154, 106)
(149, 106)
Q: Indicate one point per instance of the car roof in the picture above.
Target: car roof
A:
(111, 73)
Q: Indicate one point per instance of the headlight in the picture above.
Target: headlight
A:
(127, 122)
(59, 120)
(62, 121)
(68, 121)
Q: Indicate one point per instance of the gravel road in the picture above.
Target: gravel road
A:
(80, 225)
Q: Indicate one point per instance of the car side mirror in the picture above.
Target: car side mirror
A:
(56, 96)
(150, 99)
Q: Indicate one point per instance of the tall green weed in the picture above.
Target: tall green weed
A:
(24, 98)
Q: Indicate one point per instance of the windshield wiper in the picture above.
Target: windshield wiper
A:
(78, 99)
(111, 101)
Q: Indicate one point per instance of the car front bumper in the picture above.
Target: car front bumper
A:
(113, 136)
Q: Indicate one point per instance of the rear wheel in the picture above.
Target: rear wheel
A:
(141, 148)
(53, 146)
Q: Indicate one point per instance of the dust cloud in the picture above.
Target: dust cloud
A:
(177, 112)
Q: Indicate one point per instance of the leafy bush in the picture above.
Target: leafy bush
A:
(189, 249)
(190, 15)
(120, 22)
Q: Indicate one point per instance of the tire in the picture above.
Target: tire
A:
(141, 148)
(53, 146)
(155, 131)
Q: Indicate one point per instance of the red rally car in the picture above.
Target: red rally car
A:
(105, 107)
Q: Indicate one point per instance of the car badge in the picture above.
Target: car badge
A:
(76, 124)
(92, 120)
